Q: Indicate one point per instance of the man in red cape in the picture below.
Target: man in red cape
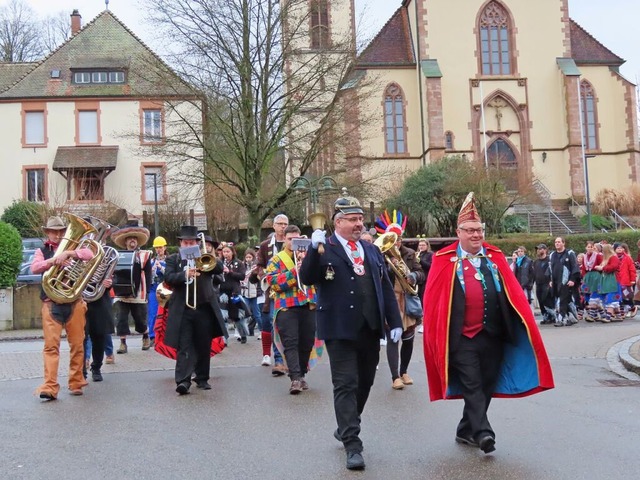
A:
(480, 337)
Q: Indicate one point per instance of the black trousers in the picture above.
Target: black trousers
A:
(194, 345)
(353, 370)
(546, 300)
(138, 312)
(564, 294)
(476, 363)
(297, 328)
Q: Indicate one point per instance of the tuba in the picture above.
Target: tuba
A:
(65, 283)
(387, 245)
(95, 288)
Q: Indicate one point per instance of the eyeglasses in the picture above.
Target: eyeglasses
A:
(471, 231)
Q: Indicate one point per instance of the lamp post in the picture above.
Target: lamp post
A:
(325, 183)
(155, 204)
(586, 190)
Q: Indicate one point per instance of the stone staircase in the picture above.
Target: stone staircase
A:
(554, 221)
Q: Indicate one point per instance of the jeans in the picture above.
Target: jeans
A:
(152, 311)
(255, 310)
(108, 345)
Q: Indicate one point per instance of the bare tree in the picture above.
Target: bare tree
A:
(19, 33)
(55, 30)
(272, 107)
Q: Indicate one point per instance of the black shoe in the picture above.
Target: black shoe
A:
(204, 385)
(96, 376)
(183, 388)
(337, 436)
(487, 444)
(355, 461)
(243, 340)
(465, 440)
(47, 396)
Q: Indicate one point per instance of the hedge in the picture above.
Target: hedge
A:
(10, 255)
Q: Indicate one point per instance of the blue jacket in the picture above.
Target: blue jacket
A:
(337, 301)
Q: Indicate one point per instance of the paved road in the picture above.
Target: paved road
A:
(133, 425)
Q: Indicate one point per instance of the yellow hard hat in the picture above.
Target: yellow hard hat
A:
(159, 242)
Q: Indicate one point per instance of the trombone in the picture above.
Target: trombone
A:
(204, 262)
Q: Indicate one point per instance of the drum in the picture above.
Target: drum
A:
(123, 284)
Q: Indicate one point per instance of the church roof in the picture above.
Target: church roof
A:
(104, 43)
(587, 50)
(392, 45)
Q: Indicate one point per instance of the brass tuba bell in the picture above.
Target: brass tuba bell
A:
(65, 283)
(387, 245)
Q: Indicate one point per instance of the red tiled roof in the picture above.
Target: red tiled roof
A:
(586, 49)
(392, 45)
(74, 158)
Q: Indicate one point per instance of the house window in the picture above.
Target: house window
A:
(589, 116)
(82, 77)
(153, 184)
(152, 126)
(88, 127)
(394, 120)
(495, 40)
(35, 188)
(116, 77)
(448, 140)
(98, 77)
(319, 24)
(34, 128)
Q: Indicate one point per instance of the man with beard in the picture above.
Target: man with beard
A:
(542, 278)
(565, 274)
(355, 296)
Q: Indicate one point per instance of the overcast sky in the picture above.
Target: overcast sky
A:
(613, 22)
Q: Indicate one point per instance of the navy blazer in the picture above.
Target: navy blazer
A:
(338, 307)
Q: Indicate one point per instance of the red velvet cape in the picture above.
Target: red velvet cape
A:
(525, 367)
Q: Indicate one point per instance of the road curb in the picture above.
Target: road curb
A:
(625, 357)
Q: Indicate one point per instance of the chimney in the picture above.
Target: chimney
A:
(76, 22)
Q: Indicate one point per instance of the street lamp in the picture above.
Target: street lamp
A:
(316, 218)
(586, 190)
(155, 204)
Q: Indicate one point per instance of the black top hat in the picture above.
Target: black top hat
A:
(209, 239)
(188, 232)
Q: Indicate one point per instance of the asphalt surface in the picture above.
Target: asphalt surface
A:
(134, 425)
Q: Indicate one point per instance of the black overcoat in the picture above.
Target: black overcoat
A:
(175, 277)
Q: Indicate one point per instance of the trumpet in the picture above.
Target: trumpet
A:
(387, 245)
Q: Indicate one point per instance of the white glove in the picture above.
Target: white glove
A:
(395, 334)
(318, 237)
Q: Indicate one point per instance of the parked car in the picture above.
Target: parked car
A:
(25, 275)
(32, 243)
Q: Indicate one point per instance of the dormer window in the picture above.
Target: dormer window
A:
(98, 76)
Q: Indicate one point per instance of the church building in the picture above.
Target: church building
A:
(515, 84)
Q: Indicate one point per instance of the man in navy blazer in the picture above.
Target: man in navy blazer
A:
(355, 298)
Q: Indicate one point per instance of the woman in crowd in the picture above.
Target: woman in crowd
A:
(626, 277)
(609, 288)
(524, 272)
(251, 289)
(425, 257)
(234, 273)
(158, 264)
(591, 282)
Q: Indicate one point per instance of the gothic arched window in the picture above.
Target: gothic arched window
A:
(394, 122)
(448, 140)
(496, 47)
(500, 154)
(320, 24)
(589, 115)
